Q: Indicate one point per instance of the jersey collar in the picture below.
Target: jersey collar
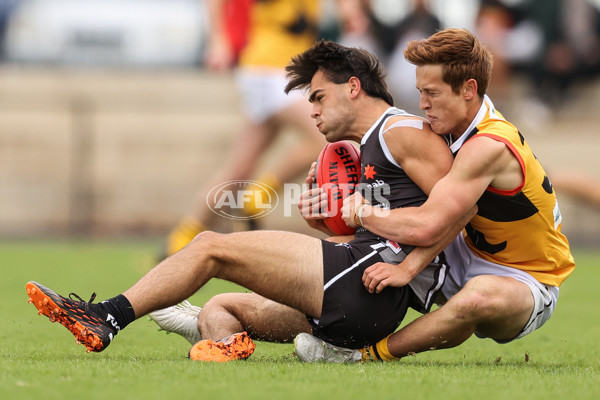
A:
(486, 105)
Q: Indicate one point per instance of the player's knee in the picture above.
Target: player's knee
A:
(205, 241)
(215, 306)
(205, 236)
(220, 310)
(205, 248)
(478, 300)
(220, 302)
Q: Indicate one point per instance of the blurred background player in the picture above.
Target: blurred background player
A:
(420, 22)
(570, 49)
(359, 26)
(554, 44)
(577, 184)
(276, 31)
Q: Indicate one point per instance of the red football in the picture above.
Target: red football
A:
(338, 172)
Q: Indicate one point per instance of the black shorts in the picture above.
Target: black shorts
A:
(351, 316)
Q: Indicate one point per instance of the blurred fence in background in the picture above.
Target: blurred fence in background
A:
(84, 152)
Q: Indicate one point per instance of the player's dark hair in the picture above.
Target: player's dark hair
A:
(338, 63)
(460, 54)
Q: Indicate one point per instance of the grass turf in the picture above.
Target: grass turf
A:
(41, 360)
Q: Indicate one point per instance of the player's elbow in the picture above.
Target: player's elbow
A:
(425, 236)
(421, 229)
(435, 230)
(432, 229)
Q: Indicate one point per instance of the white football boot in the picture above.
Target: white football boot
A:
(309, 348)
(181, 319)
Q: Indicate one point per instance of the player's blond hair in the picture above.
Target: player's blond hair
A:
(459, 52)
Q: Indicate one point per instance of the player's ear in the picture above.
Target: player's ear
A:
(355, 86)
(470, 89)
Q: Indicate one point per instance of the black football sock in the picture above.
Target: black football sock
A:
(118, 310)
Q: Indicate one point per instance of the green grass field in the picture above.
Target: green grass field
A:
(41, 360)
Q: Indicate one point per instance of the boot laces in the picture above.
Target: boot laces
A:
(76, 296)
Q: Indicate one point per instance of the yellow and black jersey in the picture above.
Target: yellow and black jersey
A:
(519, 228)
(279, 30)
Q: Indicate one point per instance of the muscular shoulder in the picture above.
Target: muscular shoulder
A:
(411, 135)
(423, 154)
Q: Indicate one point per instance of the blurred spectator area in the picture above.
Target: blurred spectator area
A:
(108, 123)
(135, 33)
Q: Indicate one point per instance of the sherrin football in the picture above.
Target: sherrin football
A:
(338, 172)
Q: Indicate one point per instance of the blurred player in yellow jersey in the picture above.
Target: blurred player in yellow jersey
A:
(277, 30)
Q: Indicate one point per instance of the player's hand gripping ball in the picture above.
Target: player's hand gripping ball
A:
(338, 173)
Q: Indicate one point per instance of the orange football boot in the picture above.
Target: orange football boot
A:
(88, 327)
(238, 346)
